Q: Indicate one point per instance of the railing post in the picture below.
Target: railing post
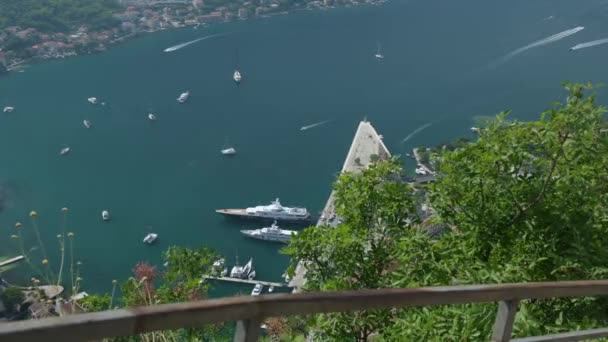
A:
(503, 326)
(248, 330)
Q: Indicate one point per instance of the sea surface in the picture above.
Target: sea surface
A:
(446, 64)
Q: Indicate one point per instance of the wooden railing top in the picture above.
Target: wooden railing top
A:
(112, 323)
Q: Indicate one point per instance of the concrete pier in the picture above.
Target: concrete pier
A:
(367, 147)
(246, 281)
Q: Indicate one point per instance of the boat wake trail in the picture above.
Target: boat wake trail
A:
(416, 131)
(589, 44)
(303, 128)
(183, 45)
(538, 43)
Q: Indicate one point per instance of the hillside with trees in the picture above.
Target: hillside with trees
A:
(525, 202)
(58, 15)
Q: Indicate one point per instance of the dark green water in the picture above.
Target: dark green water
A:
(298, 69)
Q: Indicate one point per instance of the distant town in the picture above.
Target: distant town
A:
(23, 45)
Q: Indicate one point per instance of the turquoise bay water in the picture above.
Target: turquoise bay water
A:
(299, 69)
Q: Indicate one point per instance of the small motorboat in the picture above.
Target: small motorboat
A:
(92, 100)
(8, 109)
(105, 215)
(237, 77)
(251, 275)
(152, 117)
(87, 123)
(270, 289)
(183, 97)
(230, 151)
(150, 238)
(257, 289)
(64, 151)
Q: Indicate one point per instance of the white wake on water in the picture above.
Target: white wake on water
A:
(183, 45)
(416, 131)
(303, 128)
(538, 43)
(589, 44)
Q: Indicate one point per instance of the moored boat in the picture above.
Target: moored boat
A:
(150, 238)
(274, 211)
(183, 97)
(272, 233)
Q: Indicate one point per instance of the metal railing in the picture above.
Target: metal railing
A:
(249, 312)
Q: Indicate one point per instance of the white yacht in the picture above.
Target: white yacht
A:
(92, 100)
(105, 215)
(243, 272)
(64, 151)
(183, 97)
(87, 123)
(272, 233)
(274, 211)
(257, 289)
(379, 54)
(270, 289)
(8, 109)
(150, 238)
(152, 117)
(219, 269)
(237, 77)
(230, 151)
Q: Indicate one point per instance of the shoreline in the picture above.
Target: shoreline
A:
(20, 65)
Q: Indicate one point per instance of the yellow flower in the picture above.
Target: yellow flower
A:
(33, 214)
(64, 209)
(18, 225)
(45, 261)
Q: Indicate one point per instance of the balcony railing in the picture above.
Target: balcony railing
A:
(249, 312)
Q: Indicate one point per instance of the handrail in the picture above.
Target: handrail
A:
(132, 321)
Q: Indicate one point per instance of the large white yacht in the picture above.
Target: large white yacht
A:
(92, 100)
(272, 233)
(274, 211)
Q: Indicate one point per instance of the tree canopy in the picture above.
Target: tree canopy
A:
(58, 15)
(525, 202)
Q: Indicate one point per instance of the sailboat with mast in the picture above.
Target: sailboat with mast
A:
(236, 76)
(379, 54)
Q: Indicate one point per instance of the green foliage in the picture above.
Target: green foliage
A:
(93, 303)
(377, 209)
(527, 202)
(12, 297)
(58, 15)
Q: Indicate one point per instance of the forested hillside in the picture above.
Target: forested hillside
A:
(58, 15)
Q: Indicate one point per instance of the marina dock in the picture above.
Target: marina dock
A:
(367, 147)
(247, 281)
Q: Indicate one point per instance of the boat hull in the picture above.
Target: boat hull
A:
(242, 214)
